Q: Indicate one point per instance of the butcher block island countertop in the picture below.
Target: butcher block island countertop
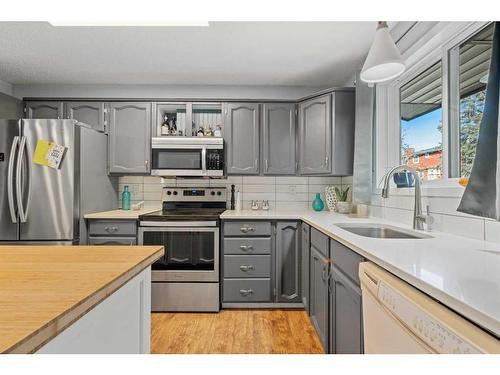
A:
(44, 289)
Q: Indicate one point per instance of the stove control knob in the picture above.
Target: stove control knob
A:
(169, 192)
(219, 193)
(175, 192)
(212, 193)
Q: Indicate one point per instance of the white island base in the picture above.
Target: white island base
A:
(119, 324)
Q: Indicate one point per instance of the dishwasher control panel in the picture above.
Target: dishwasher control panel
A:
(429, 330)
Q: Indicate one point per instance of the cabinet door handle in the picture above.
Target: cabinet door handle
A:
(246, 292)
(246, 229)
(246, 268)
(326, 161)
(246, 247)
(267, 165)
(110, 229)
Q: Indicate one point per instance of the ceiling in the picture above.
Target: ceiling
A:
(319, 54)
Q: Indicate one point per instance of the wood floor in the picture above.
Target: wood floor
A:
(234, 332)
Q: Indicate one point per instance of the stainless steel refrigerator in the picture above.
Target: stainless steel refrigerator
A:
(40, 204)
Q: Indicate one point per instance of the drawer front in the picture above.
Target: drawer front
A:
(247, 266)
(247, 290)
(346, 260)
(247, 228)
(319, 241)
(113, 227)
(247, 246)
(112, 241)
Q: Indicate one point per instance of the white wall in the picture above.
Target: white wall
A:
(281, 192)
(164, 91)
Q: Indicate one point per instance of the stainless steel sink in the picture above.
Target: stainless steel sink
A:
(381, 231)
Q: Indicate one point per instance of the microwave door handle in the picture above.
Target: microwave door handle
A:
(10, 179)
(204, 160)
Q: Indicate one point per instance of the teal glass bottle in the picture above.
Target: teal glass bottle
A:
(318, 204)
(126, 198)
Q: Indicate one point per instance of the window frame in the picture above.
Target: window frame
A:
(442, 45)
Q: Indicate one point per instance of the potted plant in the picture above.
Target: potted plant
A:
(343, 207)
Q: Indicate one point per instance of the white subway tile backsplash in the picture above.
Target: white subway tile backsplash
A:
(293, 205)
(292, 180)
(292, 188)
(325, 180)
(266, 188)
(259, 180)
(292, 197)
(131, 179)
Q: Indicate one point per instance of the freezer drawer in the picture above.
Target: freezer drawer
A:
(185, 297)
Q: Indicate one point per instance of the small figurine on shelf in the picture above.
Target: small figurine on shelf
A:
(165, 130)
(209, 132)
(200, 132)
(218, 131)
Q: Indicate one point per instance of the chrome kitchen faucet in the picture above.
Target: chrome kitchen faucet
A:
(418, 218)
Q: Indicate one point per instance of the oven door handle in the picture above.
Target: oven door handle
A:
(178, 224)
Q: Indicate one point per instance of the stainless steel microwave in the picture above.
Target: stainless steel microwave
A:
(187, 156)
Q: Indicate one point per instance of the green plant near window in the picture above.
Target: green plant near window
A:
(341, 194)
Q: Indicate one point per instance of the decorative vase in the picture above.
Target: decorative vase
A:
(318, 204)
(331, 198)
(344, 207)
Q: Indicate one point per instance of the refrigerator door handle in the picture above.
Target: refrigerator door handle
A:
(23, 213)
(10, 179)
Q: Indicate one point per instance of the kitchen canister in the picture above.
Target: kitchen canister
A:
(331, 198)
(317, 203)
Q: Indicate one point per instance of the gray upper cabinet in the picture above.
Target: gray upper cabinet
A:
(129, 137)
(315, 136)
(44, 110)
(91, 113)
(319, 295)
(305, 264)
(279, 138)
(288, 262)
(326, 134)
(343, 110)
(242, 138)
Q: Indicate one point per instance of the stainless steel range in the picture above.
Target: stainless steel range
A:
(186, 278)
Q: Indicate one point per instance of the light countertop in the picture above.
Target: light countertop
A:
(43, 289)
(462, 273)
(120, 214)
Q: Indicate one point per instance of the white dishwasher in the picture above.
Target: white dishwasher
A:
(399, 319)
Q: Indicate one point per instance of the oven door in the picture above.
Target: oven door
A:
(178, 161)
(191, 253)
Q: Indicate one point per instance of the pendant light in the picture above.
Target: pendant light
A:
(384, 62)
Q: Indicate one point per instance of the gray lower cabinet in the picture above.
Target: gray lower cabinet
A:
(129, 148)
(44, 110)
(242, 133)
(305, 263)
(346, 323)
(111, 232)
(262, 262)
(315, 135)
(279, 138)
(91, 113)
(288, 262)
(319, 294)
(346, 335)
